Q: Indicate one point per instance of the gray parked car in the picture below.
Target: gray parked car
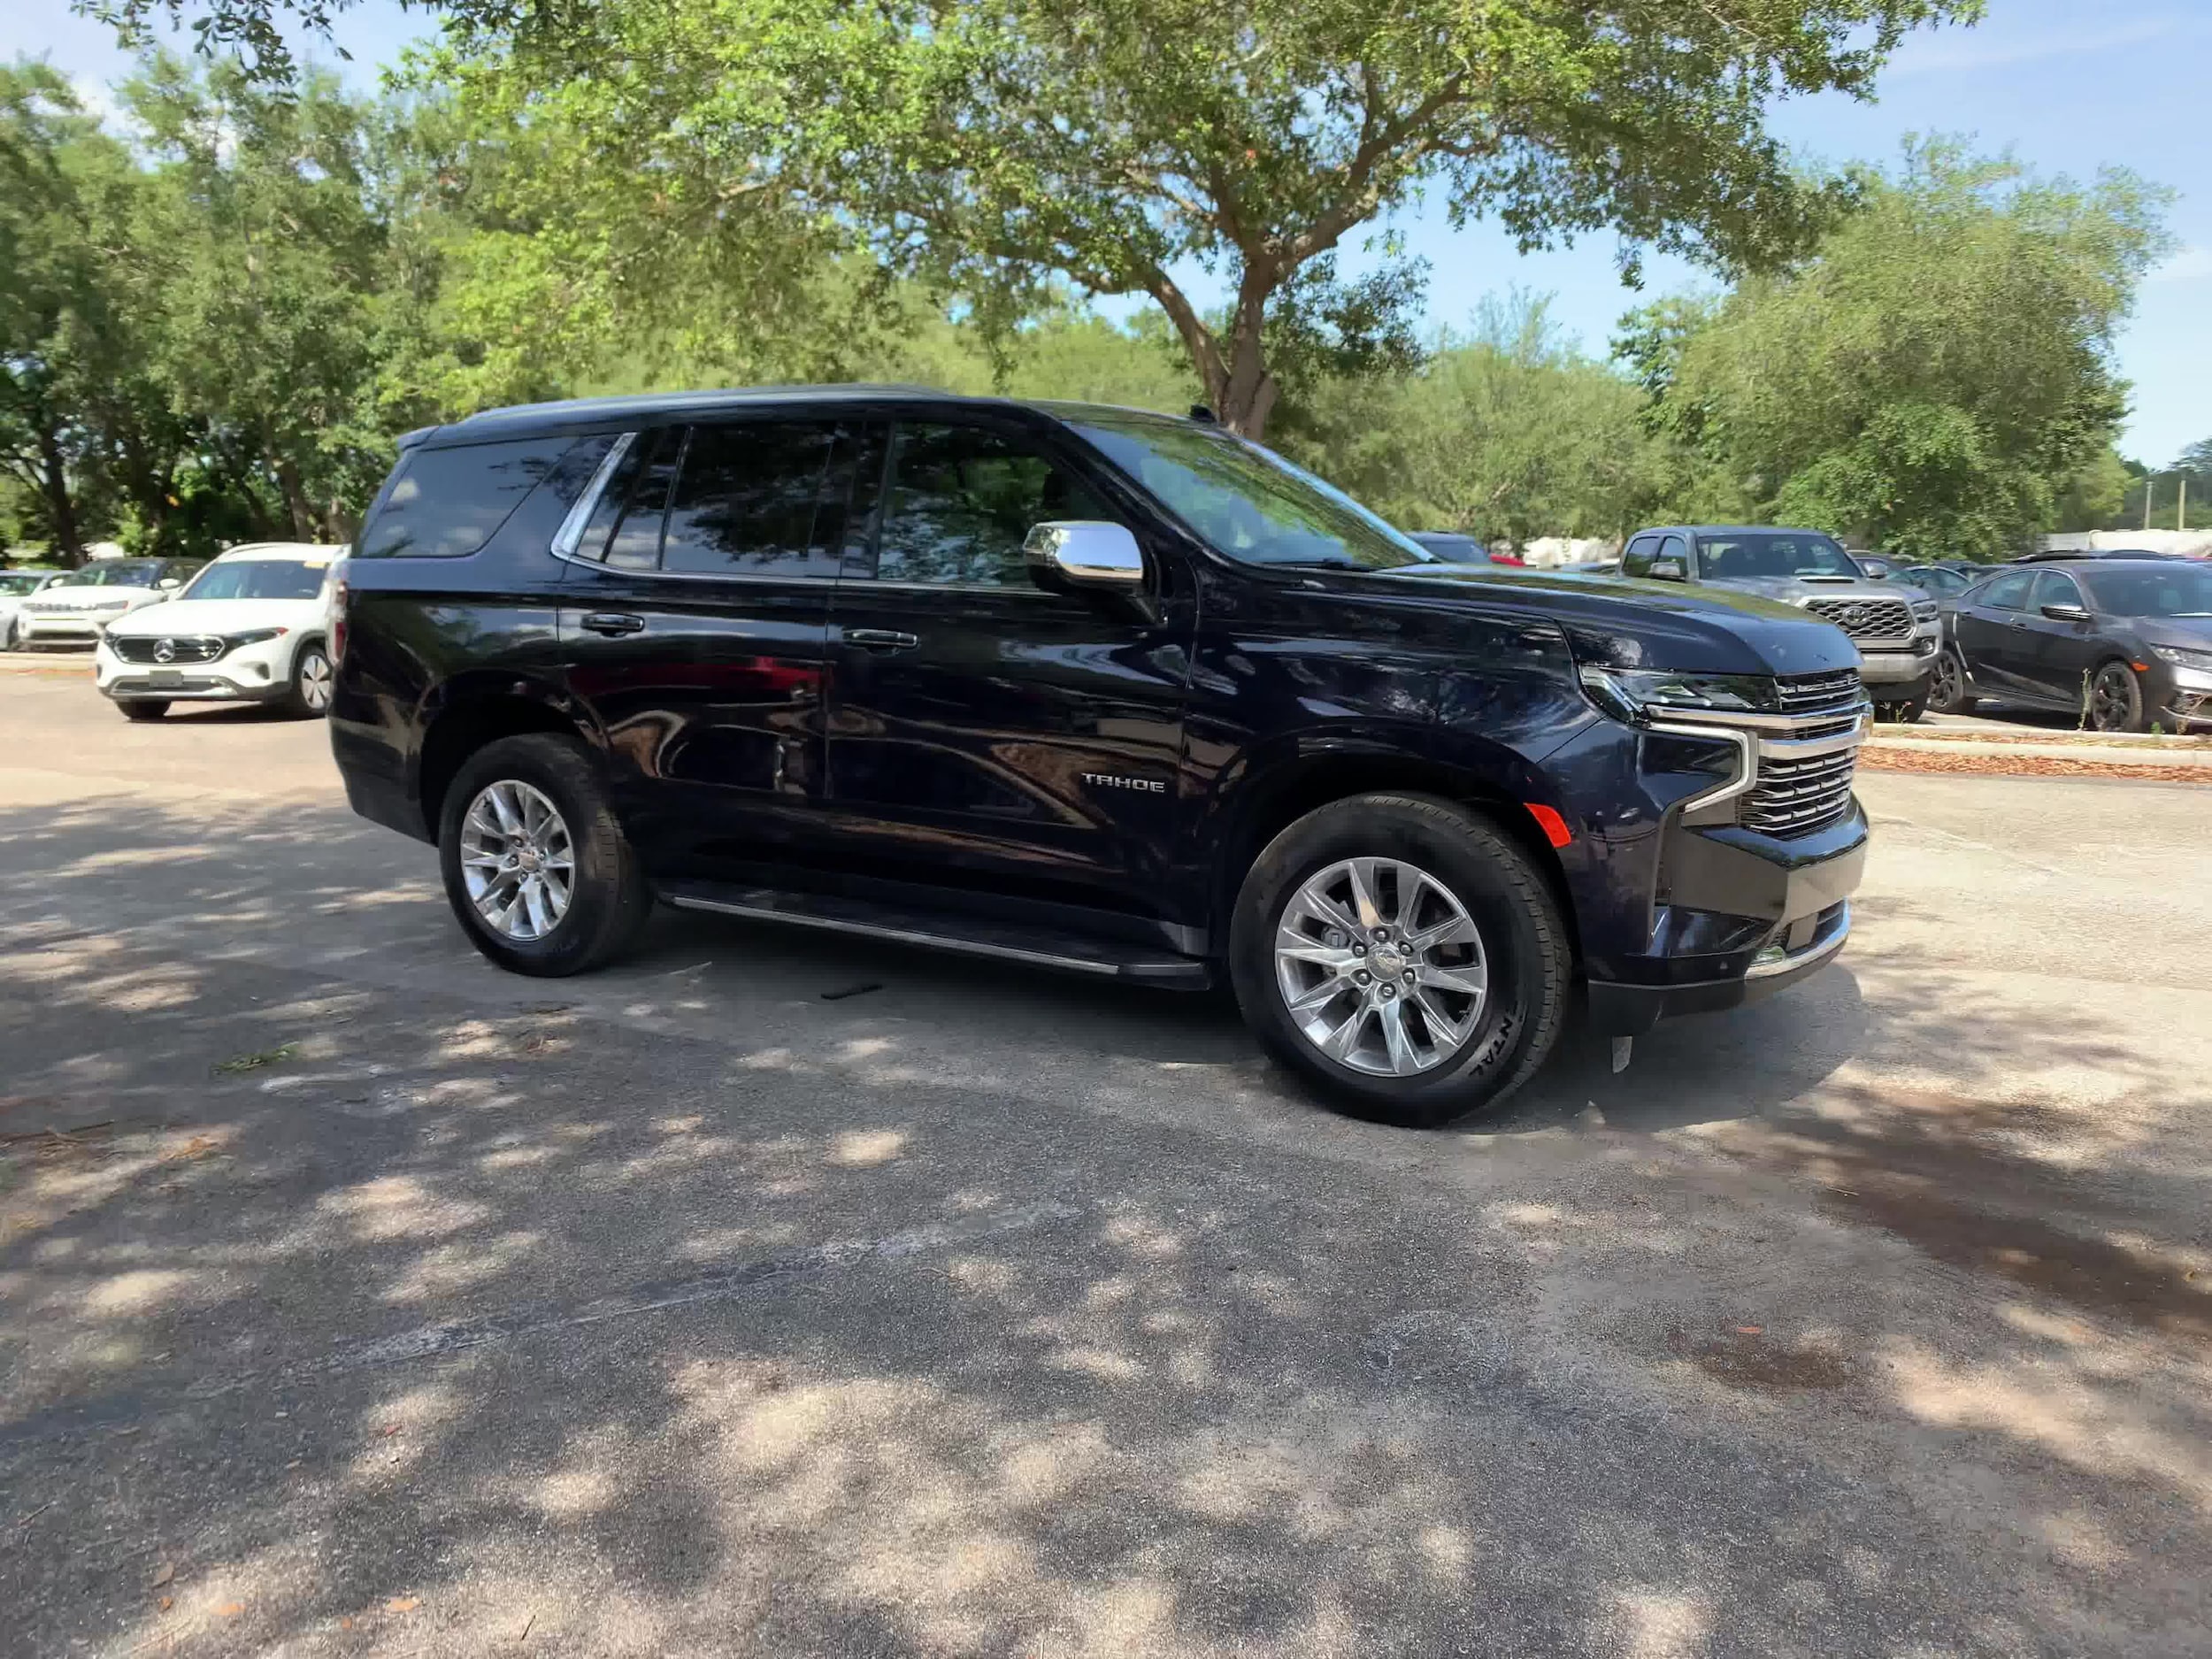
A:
(1895, 627)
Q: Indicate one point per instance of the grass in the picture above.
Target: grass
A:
(257, 1059)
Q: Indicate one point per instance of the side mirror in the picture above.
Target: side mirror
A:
(1669, 569)
(1084, 553)
(169, 582)
(2066, 613)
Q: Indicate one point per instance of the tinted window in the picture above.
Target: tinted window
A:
(636, 544)
(1673, 547)
(750, 500)
(1248, 503)
(2056, 588)
(117, 573)
(2158, 590)
(2006, 593)
(1636, 560)
(1772, 553)
(962, 503)
(1934, 580)
(447, 503)
(260, 579)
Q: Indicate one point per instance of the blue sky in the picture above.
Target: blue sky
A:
(2069, 86)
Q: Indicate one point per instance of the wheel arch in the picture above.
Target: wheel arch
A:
(1285, 792)
(466, 716)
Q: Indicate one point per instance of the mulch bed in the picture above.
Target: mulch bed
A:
(1874, 759)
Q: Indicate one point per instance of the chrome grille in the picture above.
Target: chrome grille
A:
(190, 647)
(1796, 797)
(1816, 694)
(1866, 619)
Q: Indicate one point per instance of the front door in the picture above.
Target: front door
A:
(983, 730)
(695, 616)
(2061, 655)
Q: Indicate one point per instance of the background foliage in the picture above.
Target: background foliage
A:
(220, 306)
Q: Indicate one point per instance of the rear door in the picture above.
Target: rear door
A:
(1990, 627)
(984, 731)
(694, 617)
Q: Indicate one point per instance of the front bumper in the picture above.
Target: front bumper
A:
(80, 628)
(246, 675)
(1892, 669)
(2186, 700)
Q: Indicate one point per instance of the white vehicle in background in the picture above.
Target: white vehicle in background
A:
(72, 611)
(16, 586)
(254, 626)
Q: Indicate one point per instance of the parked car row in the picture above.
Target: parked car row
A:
(251, 625)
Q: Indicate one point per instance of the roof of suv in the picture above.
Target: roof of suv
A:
(524, 419)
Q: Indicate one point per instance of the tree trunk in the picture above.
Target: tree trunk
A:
(61, 507)
(296, 506)
(1239, 388)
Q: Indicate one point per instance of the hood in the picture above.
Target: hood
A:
(1795, 589)
(220, 616)
(2190, 632)
(1623, 624)
(87, 595)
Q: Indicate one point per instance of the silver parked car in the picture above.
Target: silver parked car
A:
(1895, 627)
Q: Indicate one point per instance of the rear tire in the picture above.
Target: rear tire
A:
(1454, 858)
(607, 901)
(1947, 692)
(142, 708)
(309, 697)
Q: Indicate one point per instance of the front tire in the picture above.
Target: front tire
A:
(537, 870)
(1403, 955)
(143, 708)
(2116, 699)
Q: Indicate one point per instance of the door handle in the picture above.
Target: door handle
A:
(612, 623)
(882, 638)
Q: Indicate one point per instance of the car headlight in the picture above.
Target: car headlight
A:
(1925, 611)
(1636, 695)
(2183, 655)
(254, 636)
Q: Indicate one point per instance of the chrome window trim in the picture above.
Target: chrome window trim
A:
(572, 530)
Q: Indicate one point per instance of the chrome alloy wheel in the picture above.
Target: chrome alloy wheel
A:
(1380, 967)
(315, 682)
(516, 860)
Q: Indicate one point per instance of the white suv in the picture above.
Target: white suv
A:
(254, 626)
(72, 611)
(16, 586)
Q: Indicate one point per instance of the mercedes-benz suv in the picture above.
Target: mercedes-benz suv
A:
(1091, 690)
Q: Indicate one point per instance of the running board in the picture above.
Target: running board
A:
(947, 931)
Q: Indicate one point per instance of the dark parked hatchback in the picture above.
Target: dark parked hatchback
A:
(2124, 640)
(1094, 690)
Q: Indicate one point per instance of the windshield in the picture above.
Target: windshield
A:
(1770, 553)
(1248, 503)
(13, 582)
(258, 578)
(2152, 590)
(1935, 580)
(117, 573)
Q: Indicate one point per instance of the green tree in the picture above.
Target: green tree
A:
(998, 146)
(1507, 433)
(1936, 378)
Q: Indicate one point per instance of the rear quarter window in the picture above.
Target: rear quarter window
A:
(448, 502)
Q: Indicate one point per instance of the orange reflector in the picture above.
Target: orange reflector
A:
(2142, 668)
(1555, 827)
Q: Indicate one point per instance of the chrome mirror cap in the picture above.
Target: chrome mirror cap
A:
(1086, 552)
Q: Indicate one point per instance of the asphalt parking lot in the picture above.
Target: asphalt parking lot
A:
(775, 1294)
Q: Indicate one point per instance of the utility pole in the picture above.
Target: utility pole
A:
(2149, 479)
(2181, 506)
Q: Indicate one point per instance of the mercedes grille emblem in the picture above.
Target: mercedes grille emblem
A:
(165, 651)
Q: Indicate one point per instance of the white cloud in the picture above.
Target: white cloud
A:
(1967, 49)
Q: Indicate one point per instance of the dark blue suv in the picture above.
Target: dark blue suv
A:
(1091, 689)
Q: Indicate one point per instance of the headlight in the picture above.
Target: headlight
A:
(1637, 694)
(254, 636)
(1925, 611)
(2183, 655)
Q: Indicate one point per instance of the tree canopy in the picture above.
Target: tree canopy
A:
(1936, 378)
